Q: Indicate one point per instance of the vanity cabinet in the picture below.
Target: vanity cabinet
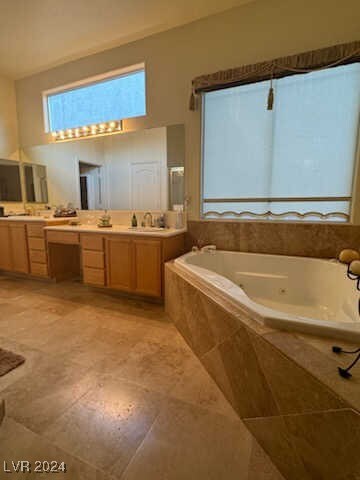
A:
(13, 247)
(119, 263)
(147, 267)
(23, 246)
(136, 264)
(19, 248)
(5, 247)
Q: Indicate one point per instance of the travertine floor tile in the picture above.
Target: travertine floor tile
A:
(8, 308)
(107, 424)
(197, 387)
(97, 368)
(42, 395)
(155, 365)
(190, 443)
(14, 326)
(46, 303)
(19, 443)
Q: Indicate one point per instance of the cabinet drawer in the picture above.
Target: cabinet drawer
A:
(63, 237)
(36, 243)
(92, 258)
(94, 276)
(37, 256)
(92, 242)
(40, 269)
(35, 230)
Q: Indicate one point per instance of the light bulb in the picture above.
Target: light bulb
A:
(112, 124)
(102, 126)
(54, 134)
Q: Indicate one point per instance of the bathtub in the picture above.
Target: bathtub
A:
(300, 294)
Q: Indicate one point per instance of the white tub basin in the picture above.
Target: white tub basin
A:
(294, 293)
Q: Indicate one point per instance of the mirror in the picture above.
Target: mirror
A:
(10, 181)
(142, 170)
(35, 183)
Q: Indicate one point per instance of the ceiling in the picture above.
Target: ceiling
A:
(39, 34)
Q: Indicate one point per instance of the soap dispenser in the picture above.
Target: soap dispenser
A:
(134, 221)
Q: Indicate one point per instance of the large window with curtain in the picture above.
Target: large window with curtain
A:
(294, 161)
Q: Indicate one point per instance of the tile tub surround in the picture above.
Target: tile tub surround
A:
(282, 238)
(284, 386)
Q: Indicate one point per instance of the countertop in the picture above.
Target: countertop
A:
(29, 218)
(119, 230)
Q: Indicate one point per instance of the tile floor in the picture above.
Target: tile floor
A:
(110, 388)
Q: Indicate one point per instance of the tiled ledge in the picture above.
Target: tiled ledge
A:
(284, 386)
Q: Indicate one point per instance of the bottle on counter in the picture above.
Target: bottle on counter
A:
(134, 221)
(162, 221)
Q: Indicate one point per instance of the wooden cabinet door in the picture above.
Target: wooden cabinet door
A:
(5, 249)
(119, 264)
(147, 264)
(19, 249)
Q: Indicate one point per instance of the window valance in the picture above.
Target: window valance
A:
(277, 68)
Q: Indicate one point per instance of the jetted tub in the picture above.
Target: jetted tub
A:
(309, 295)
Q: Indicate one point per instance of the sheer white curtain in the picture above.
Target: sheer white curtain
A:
(305, 147)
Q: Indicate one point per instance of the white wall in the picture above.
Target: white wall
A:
(8, 120)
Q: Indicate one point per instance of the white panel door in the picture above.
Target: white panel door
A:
(145, 186)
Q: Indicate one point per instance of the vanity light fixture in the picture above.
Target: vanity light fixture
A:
(109, 128)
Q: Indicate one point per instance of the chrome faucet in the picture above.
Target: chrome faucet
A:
(148, 219)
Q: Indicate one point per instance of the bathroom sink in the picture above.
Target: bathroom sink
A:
(147, 229)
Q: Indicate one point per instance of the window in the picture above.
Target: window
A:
(114, 96)
(285, 163)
